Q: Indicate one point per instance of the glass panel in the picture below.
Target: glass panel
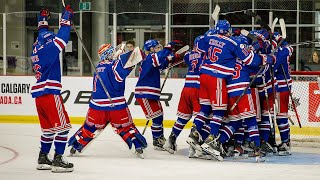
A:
(126, 36)
(71, 66)
(160, 36)
(1, 45)
(16, 47)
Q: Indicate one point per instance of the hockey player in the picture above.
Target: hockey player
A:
(245, 110)
(54, 120)
(221, 53)
(189, 98)
(147, 91)
(102, 110)
(282, 69)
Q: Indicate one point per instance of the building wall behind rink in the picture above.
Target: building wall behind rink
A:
(16, 101)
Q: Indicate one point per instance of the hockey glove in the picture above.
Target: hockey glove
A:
(171, 44)
(43, 18)
(67, 15)
(267, 59)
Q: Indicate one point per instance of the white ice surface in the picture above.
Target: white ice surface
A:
(109, 158)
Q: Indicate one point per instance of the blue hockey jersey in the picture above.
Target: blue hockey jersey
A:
(46, 64)
(113, 76)
(194, 61)
(240, 79)
(283, 55)
(148, 85)
(221, 53)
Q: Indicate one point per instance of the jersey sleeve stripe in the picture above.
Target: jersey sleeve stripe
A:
(155, 60)
(115, 72)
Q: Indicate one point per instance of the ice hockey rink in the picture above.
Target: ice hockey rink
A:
(109, 158)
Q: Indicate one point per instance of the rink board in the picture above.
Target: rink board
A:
(17, 105)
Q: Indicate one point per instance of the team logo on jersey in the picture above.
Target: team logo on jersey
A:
(242, 46)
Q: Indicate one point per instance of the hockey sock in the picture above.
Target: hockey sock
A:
(205, 131)
(239, 135)
(60, 142)
(157, 126)
(284, 128)
(202, 116)
(264, 128)
(253, 131)
(246, 133)
(228, 129)
(215, 121)
(179, 125)
(46, 142)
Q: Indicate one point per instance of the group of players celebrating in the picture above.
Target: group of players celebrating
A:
(216, 90)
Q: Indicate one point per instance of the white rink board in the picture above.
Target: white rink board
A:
(77, 91)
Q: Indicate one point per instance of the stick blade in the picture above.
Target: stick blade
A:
(134, 58)
(183, 49)
(247, 34)
(215, 14)
(274, 22)
(283, 28)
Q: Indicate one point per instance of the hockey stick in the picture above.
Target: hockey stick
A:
(91, 62)
(305, 43)
(246, 89)
(180, 51)
(290, 93)
(268, 106)
(247, 34)
(215, 16)
(274, 22)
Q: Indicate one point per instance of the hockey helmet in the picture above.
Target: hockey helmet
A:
(105, 52)
(150, 43)
(276, 36)
(262, 34)
(45, 37)
(196, 40)
(223, 27)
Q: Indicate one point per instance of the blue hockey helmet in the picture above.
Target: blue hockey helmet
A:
(106, 52)
(262, 34)
(150, 43)
(196, 40)
(45, 37)
(276, 36)
(223, 27)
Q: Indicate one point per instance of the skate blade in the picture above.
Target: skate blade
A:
(158, 148)
(44, 167)
(56, 169)
(260, 159)
(141, 156)
(284, 153)
(240, 156)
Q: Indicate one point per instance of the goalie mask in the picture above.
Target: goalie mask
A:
(106, 52)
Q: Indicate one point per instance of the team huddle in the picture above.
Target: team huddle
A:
(236, 86)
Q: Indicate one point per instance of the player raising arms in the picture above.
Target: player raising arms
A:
(221, 53)
(102, 111)
(147, 91)
(189, 99)
(54, 120)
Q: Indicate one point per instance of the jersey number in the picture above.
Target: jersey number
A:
(36, 68)
(193, 65)
(236, 72)
(212, 54)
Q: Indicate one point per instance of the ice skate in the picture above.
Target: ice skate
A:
(213, 147)
(195, 139)
(193, 153)
(284, 149)
(44, 162)
(248, 147)
(159, 142)
(60, 164)
(266, 149)
(258, 155)
(139, 152)
(171, 145)
(239, 152)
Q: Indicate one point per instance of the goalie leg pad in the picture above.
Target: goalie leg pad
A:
(131, 135)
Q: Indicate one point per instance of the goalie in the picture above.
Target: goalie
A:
(103, 111)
